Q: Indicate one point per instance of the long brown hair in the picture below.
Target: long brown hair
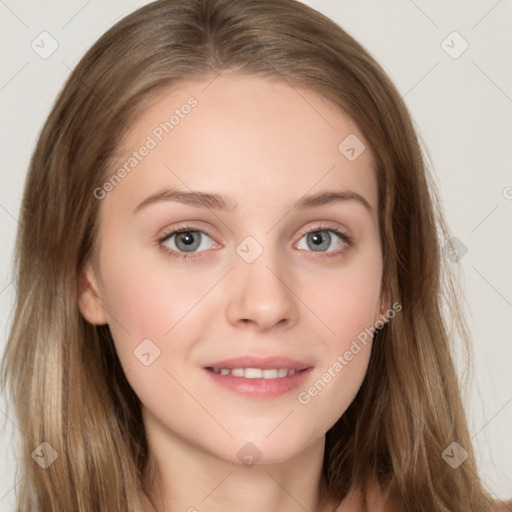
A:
(66, 382)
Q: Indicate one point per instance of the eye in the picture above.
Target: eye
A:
(185, 242)
(320, 239)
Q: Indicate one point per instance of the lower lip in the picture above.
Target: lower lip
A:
(260, 388)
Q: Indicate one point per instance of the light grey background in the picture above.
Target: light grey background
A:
(463, 111)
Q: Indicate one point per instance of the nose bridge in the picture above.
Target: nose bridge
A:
(261, 291)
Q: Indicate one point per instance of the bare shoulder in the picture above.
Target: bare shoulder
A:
(376, 500)
(366, 498)
(371, 498)
(147, 506)
(504, 506)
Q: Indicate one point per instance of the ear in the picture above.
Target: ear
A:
(89, 297)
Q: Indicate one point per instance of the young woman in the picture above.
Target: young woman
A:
(230, 285)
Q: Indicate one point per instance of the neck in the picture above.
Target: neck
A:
(327, 504)
(196, 480)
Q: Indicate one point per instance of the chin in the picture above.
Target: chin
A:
(270, 445)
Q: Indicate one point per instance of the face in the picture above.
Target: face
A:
(240, 328)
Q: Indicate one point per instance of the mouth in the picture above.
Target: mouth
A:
(259, 377)
(257, 373)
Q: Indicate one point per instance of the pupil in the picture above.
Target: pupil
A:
(188, 241)
(320, 239)
(189, 237)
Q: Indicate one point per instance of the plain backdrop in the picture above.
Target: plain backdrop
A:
(450, 60)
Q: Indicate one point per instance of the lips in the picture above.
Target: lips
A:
(259, 377)
(258, 362)
(256, 373)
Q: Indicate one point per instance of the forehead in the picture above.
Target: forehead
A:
(234, 133)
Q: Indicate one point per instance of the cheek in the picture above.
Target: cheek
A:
(142, 301)
(149, 310)
(347, 307)
(349, 301)
(142, 285)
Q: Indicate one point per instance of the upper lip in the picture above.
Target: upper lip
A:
(248, 361)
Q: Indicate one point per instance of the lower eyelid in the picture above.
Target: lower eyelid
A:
(346, 243)
(345, 238)
(171, 234)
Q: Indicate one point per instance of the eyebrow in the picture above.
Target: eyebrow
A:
(219, 202)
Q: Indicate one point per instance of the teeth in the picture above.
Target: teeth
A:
(251, 373)
(256, 373)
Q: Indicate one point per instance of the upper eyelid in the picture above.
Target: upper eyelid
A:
(319, 226)
(325, 226)
(346, 238)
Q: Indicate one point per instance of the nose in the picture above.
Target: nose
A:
(261, 295)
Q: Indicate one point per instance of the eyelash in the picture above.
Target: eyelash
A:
(347, 239)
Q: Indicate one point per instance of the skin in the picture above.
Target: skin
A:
(264, 144)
